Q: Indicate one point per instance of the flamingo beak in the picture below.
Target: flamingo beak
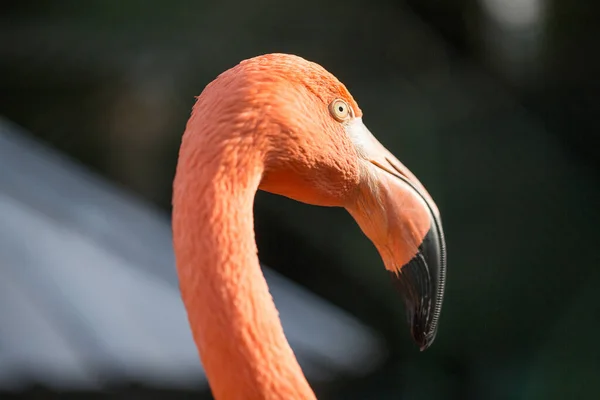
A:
(395, 211)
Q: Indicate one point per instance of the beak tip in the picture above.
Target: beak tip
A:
(421, 283)
(425, 343)
(421, 337)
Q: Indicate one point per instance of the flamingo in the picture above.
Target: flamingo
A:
(285, 125)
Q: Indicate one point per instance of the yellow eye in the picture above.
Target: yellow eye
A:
(340, 110)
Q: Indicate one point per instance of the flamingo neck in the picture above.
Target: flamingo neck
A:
(233, 319)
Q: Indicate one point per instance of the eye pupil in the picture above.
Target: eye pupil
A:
(341, 108)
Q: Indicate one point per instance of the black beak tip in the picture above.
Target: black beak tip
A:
(421, 283)
(422, 340)
(423, 334)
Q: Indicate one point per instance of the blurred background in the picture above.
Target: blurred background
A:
(491, 103)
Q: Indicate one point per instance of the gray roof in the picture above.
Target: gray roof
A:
(89, 293)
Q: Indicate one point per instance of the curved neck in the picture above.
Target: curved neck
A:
(234, 321)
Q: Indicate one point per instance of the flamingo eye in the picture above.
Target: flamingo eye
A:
(340, 110)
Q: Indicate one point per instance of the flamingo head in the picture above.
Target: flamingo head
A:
(318, 150)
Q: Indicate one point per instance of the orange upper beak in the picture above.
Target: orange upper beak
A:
(395, 211)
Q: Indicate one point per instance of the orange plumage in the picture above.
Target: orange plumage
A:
(267, 124)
